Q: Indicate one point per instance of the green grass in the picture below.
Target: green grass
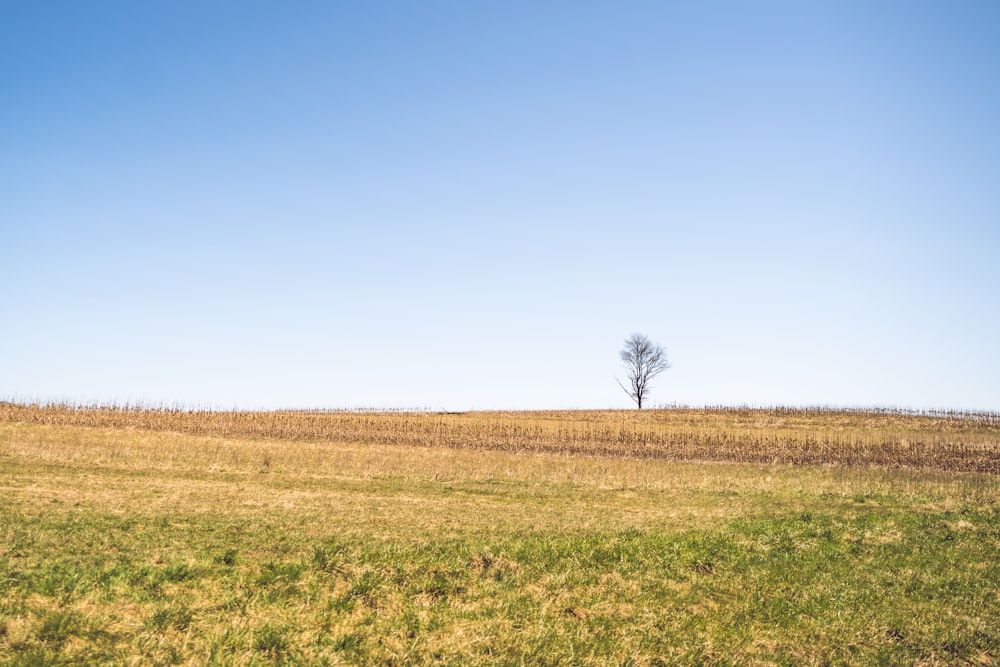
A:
(400, 556)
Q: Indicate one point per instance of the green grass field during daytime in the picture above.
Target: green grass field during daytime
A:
(128, 538)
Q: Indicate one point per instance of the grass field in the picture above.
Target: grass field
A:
(169, 537)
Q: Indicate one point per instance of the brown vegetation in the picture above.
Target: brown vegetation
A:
(882, 438)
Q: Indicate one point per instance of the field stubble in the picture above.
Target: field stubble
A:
(939, 441)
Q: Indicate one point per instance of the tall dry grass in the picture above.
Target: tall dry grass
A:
(868, 438)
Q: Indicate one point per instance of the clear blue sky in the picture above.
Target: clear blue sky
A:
(471, 204)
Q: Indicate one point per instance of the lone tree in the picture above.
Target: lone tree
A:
(644, 360)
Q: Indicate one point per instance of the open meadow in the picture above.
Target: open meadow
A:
(727, 536)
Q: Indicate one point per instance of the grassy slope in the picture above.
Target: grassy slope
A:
(116, 544)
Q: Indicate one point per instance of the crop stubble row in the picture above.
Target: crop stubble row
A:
(966, 442)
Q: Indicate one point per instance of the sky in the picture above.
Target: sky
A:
(470, 205)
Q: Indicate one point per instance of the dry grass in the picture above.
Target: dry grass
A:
(135, 545)
(888, 439)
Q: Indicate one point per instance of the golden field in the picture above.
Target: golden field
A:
(180, 537)
(941, 441)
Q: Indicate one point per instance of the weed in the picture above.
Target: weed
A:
(365, 587)
(176, 617)
(58, 626)
(327, 558)
(178, 572)
(272, 640)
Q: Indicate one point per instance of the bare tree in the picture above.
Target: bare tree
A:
(644, 360)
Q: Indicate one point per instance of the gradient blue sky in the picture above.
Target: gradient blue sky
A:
(471, 204)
